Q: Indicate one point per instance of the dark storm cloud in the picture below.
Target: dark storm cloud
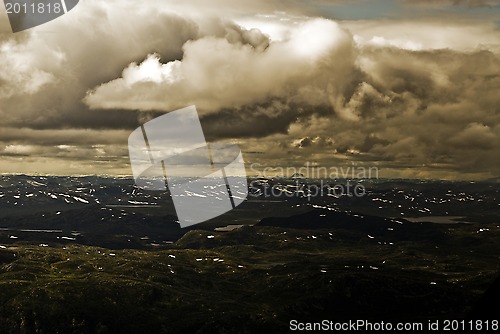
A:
(420, 109)
(258, 120)
(249, 121)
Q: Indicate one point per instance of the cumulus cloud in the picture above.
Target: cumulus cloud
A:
(46, 71)
(311, 66)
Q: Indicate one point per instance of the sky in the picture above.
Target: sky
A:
(408, 87)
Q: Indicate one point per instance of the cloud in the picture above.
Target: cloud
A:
(434, 33)
(242, 68)
(427, 114)
(46, 71)
(54, 137)
(470, 3)
(317, 141)
(416, 96)
(475, 136)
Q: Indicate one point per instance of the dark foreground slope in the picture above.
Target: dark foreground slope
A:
(254, 279)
